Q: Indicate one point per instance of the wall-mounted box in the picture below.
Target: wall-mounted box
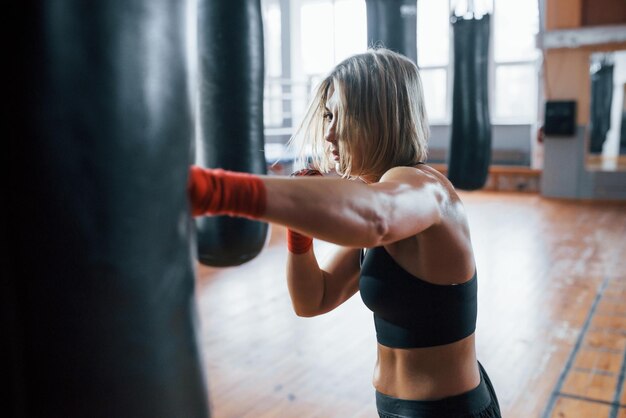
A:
(560, 118)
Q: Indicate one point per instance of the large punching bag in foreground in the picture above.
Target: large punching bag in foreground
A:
(98, 299)
(394, 24)
(230, 44)
(470, 146)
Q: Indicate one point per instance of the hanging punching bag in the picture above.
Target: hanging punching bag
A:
(230, 44)
(393, 23)
(99, 302)
(601, 102)
(470, 146)
(622, 131)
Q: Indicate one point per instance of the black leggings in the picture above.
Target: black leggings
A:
(480, 402)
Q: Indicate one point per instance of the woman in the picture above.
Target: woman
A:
(368, 123)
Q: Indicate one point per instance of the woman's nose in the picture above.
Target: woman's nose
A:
(329, 135)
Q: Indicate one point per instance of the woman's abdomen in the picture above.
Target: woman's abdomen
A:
(427, 373)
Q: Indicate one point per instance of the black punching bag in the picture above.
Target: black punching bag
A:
(99, 293)
(393, 23)
(601, 102)
(230, 44)
(470, 146)
(622, 132)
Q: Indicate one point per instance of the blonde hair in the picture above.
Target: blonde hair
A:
(380, 113)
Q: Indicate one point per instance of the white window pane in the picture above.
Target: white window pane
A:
(273, 104)
(350, 28)
(433, 32)
(271, 25)
(515, 25)
(435, 92)
(316, 26)
(515, 92)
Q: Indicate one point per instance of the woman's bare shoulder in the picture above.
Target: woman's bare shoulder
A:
(420, 176)
(406, 174)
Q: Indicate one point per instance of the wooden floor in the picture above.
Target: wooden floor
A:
(551, 321)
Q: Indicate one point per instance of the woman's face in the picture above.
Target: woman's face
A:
(337, 144)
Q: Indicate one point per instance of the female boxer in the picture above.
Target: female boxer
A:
(404, 237)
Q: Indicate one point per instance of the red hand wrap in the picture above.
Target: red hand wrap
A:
(296, 242)
(220, 192)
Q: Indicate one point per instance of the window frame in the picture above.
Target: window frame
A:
(491, 77)
(297, 79)
(493, 66)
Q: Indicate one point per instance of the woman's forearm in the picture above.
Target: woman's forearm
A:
(305, 281)
(315, 289)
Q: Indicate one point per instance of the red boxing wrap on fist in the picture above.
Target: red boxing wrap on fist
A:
(296, 242)
(221, 192)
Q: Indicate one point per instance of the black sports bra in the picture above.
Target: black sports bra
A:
(410, 312)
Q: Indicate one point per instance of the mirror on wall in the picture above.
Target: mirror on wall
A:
(606, 148)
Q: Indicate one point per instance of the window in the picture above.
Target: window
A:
(433, 51)
(316, 37)
(273, 101)
(329, 32)
(321, 33)
(515, 56)
(513, 63)
(324, 32)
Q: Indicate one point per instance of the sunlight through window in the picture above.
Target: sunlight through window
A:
(433, 32)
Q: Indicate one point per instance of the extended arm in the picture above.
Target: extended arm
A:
(349, 213)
